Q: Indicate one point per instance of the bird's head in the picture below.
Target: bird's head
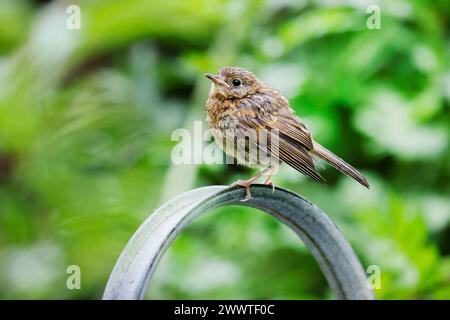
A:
(234, 82)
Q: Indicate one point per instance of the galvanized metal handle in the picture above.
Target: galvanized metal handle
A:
(138, 261)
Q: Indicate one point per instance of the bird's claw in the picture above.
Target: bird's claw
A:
(246, 185)
(270, 183)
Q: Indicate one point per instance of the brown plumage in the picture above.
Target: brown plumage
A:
(249, 119)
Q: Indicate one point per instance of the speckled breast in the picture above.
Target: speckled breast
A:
(232, 137)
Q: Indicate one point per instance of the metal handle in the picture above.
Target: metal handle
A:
(138, 261)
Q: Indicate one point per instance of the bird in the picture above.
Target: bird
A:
(249, 118)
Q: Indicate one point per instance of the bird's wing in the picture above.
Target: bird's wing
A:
(291, 127)
(279, 115)
(292, 142)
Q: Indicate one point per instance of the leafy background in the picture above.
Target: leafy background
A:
(86, 118)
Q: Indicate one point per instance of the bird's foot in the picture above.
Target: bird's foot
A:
(270, 183)
(267, 182)
(246, 184)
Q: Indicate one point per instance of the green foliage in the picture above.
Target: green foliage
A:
(86, 118)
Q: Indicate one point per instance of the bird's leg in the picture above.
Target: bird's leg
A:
(269, 176)
(247, 183)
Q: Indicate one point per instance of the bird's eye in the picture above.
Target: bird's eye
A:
(236, 82)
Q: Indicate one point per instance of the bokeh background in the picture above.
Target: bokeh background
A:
(86, 118)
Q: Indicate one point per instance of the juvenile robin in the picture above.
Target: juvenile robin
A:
(248, 118)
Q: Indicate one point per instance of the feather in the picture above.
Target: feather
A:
(339, 164)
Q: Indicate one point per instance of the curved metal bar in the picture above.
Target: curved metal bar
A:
(136, 265)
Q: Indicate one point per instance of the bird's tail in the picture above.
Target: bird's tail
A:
(339, 164)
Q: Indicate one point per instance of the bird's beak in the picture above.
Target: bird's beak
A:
(217, 80)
